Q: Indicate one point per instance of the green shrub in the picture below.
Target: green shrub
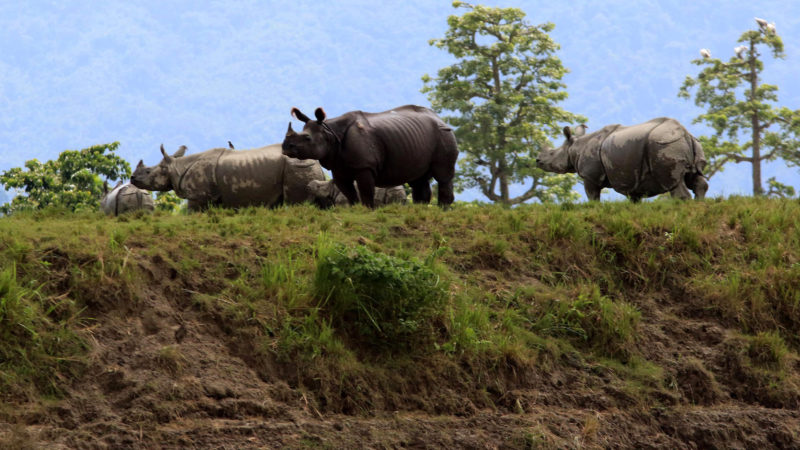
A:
(375, 296)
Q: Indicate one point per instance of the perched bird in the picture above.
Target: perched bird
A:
(761, 23)
(580, 130)
(771, 28)
(740, 51)
(230, 145)
(705, 53)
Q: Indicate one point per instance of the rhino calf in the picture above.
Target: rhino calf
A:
(326, 194)
(126, 198)
(638, 161)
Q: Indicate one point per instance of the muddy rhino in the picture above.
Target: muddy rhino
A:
(327, 194)
(638, 161)
(125, 198)
(231, 178)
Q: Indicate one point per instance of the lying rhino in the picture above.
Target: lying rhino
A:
(125, 198)
(231, 178)
(327, 194)
(638, 161)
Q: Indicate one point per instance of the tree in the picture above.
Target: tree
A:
(739, 106)
(72, 181)
(503, 91)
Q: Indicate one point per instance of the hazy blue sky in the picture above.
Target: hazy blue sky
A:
(74, 74)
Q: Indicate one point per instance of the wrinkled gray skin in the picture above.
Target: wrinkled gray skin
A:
(327, 194)
(638, 161)
(231, 178)
(126, 198)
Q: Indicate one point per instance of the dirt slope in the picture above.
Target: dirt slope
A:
(163, 369)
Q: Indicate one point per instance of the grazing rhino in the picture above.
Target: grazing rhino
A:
(638, 161)
(327, 194)
(125, 198)
(231, 178)
(409, 144)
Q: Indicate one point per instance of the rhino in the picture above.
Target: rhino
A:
(231, 178)
(327, 194)
(409, 144)
(637, 161)
(125, 198)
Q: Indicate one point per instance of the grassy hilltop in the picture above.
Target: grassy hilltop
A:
(585, 325)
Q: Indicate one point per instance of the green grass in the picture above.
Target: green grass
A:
(347, 298)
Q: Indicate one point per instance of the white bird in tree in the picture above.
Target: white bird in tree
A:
(705, 53)
(771, 28)
(740, 51)
(762, 23)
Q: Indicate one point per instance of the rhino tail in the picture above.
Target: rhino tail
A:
(699, 156)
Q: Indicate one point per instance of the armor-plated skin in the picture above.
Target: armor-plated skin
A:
(638, 161)
(126, 198)
(326, 194)
(231, 178)
(409, 144)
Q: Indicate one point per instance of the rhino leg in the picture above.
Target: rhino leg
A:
(366, 188)
(681, 191)
(698, 184)
(347, 188)
(592, 190)
(421, 190)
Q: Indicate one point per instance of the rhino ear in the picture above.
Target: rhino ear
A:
(319, 113)
(167, 158)
(299, 115)
(567, 133)
(181, 150)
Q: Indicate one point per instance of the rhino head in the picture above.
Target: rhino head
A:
(557, 159)
(324, 192)
(314, 142)
(157, 178)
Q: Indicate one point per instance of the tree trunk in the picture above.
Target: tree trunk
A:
(757, 189)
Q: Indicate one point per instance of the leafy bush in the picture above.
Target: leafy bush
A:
(378, 297)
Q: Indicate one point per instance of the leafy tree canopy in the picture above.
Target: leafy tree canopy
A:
(742, 110)
(72, 181)
(502, 96)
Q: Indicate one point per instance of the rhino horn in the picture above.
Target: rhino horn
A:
(181, 150)
(167, 158)
(290, 131)
(141, 164)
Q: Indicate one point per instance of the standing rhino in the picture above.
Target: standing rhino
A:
(327, 194)
(638, 161)
(409, 144)
(125, 198)
(231, 178)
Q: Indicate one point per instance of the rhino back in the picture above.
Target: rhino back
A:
(410, 136)
(131, 198)
(622, 155)
(250, 177)
(670, 154)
